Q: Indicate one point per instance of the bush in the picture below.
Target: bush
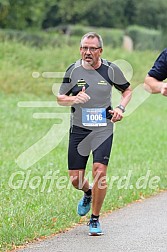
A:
(111, 37)
(144, 38)
(38, 39)
(62, 35)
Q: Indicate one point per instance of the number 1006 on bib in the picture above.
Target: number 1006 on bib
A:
(94, 117)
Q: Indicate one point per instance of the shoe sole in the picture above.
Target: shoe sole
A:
(82, 214)
(96, 234)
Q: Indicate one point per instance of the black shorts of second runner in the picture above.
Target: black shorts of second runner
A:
(83, 141)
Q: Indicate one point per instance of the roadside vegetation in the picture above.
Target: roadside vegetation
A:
(39, 200)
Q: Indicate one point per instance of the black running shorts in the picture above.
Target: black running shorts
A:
(82, 141)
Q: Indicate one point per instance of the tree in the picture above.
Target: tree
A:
(152, 13)
(4, 6)
(65, 12)
(23, 14)
(104, 13)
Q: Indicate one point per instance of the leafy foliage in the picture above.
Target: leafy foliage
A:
(144, 38)
(37, 14)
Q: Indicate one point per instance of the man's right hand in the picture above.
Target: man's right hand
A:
(164, 89)
(81, 97)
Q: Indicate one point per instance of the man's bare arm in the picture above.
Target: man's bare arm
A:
(65, 100)
(155, 86)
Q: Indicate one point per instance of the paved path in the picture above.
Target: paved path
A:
(139, 227)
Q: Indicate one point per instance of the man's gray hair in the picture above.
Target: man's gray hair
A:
(93, 35)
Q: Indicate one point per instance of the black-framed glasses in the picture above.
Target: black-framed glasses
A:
(91, 49)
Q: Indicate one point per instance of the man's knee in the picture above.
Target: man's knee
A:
(99, 174)
(99, 169)
(76, 178)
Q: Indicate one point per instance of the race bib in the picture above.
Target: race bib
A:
(94, 117)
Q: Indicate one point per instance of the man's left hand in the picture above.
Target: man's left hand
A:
(117, 115)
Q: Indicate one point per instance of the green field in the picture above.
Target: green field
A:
(37, 200)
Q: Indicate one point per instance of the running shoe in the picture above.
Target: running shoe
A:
(84, 205)
(94, 227)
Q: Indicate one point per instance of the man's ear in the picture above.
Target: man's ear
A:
(101, 50)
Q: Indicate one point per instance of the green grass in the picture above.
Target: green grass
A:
(140, 141)
(18, 62)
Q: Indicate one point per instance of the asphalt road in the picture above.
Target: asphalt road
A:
(138, 227)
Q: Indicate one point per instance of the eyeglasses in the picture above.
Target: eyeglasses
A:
(91, 49)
